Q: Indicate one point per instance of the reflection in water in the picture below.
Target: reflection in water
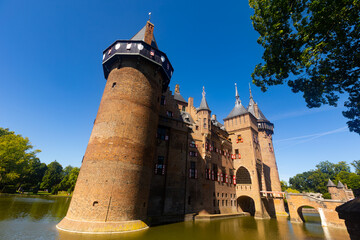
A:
(35, 218)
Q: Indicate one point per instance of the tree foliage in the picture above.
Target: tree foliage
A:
(314, 47)
(21, 170)
(52, 177)
(16, 155)
(317, 179)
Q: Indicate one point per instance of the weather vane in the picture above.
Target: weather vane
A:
(149, 16)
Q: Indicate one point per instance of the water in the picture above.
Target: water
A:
(36, 217)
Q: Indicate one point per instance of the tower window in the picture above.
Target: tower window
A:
(160, 166)
(114, 84)
(169, 113)
(163, 101)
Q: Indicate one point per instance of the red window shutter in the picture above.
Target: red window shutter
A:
(218, 177)
(234, 180)
(239, 156)
(226, 178)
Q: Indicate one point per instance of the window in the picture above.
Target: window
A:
(236, 151)
(193, 154)
(183, 108)
(169, 113)
(162, 133)
(192, 170)
(223, 202)
(192, 144)
(163, 101)
(160, 166)
(114, 84)
(197, 127)
(204, 122)
(214, 174)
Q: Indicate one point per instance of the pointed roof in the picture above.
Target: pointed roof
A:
(140, 36)
(203, 104)
(177, 95)
(251, 108)
(239, 109)
(330, 184)
(340, 185)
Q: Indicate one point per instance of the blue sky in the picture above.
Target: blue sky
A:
(52, 80)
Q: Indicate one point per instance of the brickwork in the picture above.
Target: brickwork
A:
(325, 207)
(113, 184)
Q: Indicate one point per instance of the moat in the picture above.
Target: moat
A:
(36, 217)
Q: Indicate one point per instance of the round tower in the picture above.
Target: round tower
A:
(204, 115)
(112, 190)
(265, 132)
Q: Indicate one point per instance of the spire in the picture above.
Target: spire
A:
(340, 185)
(203, 104)
(251, 101)
(239, 108)
(237, 101)
(330, 183)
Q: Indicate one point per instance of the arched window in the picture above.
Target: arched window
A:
(243, 176)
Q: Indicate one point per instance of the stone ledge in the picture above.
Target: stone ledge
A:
(209, 217)
(78, 226)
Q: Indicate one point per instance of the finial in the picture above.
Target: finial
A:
(250, 90)
(237, 101)
(149, 16)
(203, 93)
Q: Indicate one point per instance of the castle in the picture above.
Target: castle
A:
(154, 157)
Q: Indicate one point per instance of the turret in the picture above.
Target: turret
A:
(112, 190)
(204, 115)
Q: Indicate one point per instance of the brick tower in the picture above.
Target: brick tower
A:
(271, 174)
(112, 190)
(242, 128)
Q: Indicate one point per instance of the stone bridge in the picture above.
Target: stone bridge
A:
(325, 207)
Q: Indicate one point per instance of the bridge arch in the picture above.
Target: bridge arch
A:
(243, 176)
(302, 207)
(246, 204)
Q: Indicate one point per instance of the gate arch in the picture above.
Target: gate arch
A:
(246, 204)
(243, 176)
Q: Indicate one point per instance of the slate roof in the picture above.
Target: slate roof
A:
(203, 104)
(178, 97)
(330, 184)
(340, 185)
(187, 117)
(140, 37)
(239, 109)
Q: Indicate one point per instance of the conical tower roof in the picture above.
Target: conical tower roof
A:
(203, 104)
(340, 185)
(140, 36)
(330, 184)
(239, 109)
(251, 108)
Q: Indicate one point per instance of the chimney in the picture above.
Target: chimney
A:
(190, 102)
(149, 30)
(177, 88)
(213, 117)
(256, 110)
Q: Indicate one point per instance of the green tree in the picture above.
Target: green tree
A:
(332, 169)
(52, 177)
(284, 185)
(352, 180)
(15, 155)
(356, 165)
(313, 46)
(34, 175)
(69, 180)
